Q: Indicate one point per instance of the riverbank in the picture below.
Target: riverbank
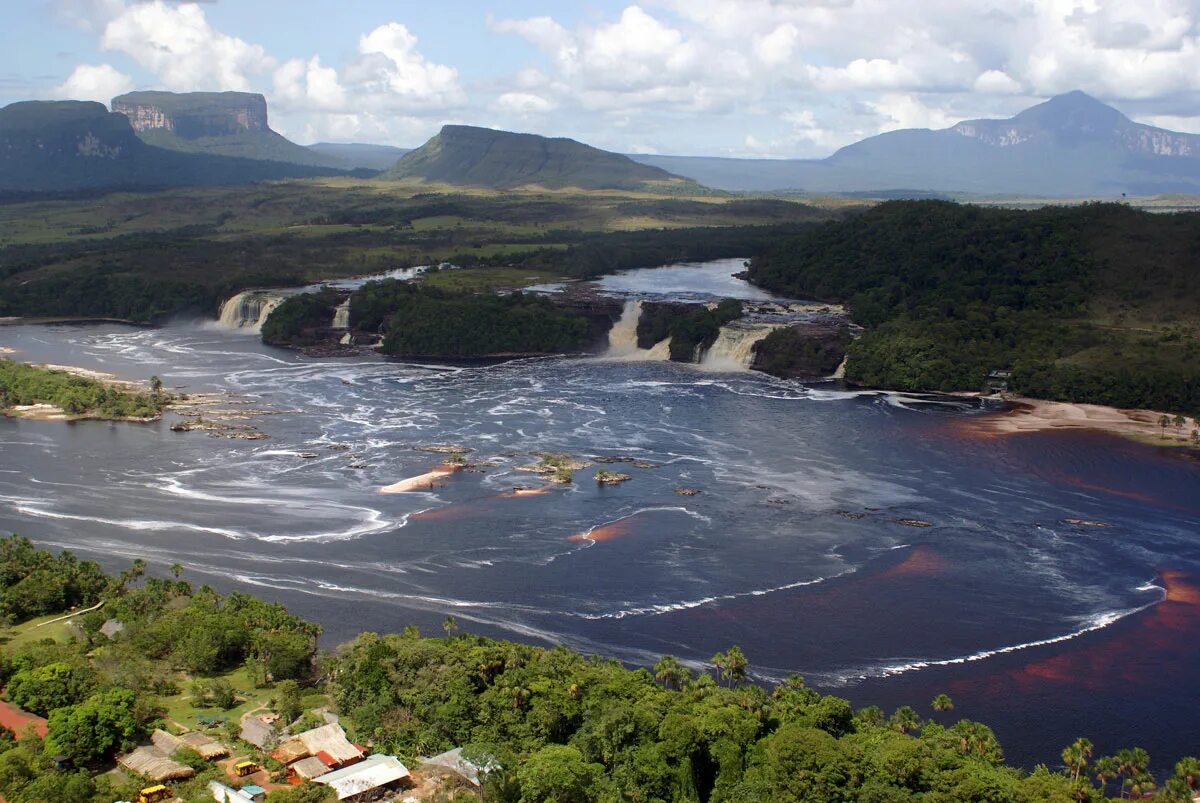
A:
(1025, 414)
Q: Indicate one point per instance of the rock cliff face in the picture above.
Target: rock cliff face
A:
(803, 351)
(194, 114)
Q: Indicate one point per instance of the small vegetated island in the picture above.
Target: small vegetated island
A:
(30, 390)
(1095, 303)
(146, 657)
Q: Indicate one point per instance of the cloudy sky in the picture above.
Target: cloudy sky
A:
(713, 77)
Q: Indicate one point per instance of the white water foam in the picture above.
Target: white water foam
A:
(1090, 625)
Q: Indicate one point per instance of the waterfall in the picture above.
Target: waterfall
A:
(622, 338)
(341, 315)
(840, 373)
(249, 309)
(733, 350)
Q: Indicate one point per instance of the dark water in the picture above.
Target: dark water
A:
(792, 549)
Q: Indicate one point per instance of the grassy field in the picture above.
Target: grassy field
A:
(35, 630)
(180, 708)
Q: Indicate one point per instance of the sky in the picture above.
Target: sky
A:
(778, 78)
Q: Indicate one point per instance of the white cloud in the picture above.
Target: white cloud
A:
(996, 82)
(778, 77)
(522, 104)
(99, 82)
(185, 53)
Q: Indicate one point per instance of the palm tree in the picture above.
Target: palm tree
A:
(1187, 769)
(1164, 421)
(942, 703)
(176, 570)
(449, 625)
(1140, 784)
(1179, 421)
(1075, 757)
(1133, 763)
(718, 662)
(1105, 769)
(672, 674)
(905, 719)
(156, 386)
(735, 665)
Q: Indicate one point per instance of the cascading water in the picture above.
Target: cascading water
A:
(623, 341)
(733, 350)
(341, 315)
(249, 309)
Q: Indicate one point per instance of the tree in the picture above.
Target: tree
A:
(1075, 756)
(671, 673)
(735, 665)
(96, 728)
(449, 624)
(1105, 769)
(45, 688)
(156, 386)
(304, 793)
(558, 774)
(1187, 769)
(287, 700)
(1164, 421)
(1179, 421)
(904, 720)
(176, 570)
(942, 703)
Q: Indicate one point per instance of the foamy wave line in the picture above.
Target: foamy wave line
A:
(373, 523)
(672, 607)
(1097, 622)
(586, 534)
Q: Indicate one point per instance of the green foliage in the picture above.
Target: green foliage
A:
(428, 322)
(96, 728)
(301, 319)
(694, 332)
(28, 384)
(304, 793)
(44, 688)
(951, 292)
(34, 582)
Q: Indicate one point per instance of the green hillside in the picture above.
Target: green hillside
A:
(483, 157)
(1097, 303)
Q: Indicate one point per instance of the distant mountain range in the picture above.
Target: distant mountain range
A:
(1071, 145)
(484, 157)
(56, 146)
(367, 157)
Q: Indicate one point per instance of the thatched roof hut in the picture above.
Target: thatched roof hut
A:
(151, 762)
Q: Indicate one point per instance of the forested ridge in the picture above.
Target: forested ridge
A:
(552, 725)
(1098, 303)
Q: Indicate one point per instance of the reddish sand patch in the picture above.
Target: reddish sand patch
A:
(922, 561)
(607, 532)
(18, 721)
(1156, 646)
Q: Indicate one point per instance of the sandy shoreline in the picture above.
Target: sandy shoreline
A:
(1040, 415)
(421, 482)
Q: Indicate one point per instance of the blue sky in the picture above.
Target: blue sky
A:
(715, 77)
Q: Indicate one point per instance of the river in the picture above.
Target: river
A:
(794, 547)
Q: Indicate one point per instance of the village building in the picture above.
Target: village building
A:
(258, 733)
(208, 748)
(308, 769)
(151, 762)
(328, 743)
(367, 778)
(452, 762)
